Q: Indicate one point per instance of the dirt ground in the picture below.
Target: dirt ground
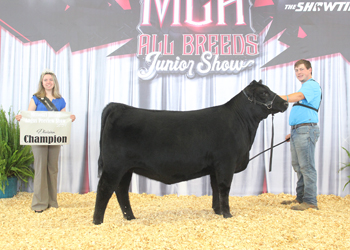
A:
(176, 222)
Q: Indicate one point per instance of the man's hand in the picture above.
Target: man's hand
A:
(288, 138)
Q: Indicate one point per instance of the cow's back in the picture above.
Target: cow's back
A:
(164, 143)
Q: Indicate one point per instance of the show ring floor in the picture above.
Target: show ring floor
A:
(172, 222)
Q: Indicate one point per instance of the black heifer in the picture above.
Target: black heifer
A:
(174, 146)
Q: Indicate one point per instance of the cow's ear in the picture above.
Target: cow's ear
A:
(253, 82)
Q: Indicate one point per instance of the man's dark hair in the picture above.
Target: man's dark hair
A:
(303, 61)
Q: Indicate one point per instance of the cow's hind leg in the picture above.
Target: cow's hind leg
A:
(216, 201)
(122, 192)
(105, 189)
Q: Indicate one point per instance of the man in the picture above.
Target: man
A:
(304, 135)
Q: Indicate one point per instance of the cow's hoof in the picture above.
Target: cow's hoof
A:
(227, 215)
(130, 217)
(217, 211)
(97, 222)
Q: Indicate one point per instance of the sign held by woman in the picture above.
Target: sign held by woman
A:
(45, 128)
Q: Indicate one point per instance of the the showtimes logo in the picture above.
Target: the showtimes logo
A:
(318, 6)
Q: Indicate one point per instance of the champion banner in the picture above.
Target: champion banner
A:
(45, 128)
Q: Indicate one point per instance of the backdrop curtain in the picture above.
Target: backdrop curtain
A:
(89, 80)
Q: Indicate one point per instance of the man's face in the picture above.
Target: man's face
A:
(302, 73)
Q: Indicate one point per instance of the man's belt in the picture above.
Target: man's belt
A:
(303, 124)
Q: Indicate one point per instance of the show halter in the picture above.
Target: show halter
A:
(268, 105)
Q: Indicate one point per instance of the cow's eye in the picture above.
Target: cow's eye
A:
(264, 94)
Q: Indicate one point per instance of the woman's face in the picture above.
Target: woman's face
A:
(48, 82)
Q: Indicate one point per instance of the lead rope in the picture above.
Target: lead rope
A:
(270, 148)
(271, 153)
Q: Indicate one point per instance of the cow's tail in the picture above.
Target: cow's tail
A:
(105, 113)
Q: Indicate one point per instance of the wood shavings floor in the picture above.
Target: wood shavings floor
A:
(172, 222)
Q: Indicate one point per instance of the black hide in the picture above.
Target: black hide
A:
(175, 146)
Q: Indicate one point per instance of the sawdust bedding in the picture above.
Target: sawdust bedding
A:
(172, 222)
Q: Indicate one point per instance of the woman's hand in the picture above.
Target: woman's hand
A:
(18, 117)
(71, 116)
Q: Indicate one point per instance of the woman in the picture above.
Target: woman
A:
(46, 157)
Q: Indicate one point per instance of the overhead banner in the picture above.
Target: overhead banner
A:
(45, 128)
(192, 38)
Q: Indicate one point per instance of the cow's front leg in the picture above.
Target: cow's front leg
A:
(104, 192)
(224, 179)
(122, 192)
(224, 190)
(216, 201)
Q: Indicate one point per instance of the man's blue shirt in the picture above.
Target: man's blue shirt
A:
(312, 93)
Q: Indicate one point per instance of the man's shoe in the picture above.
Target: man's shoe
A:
(303, 206)
(288, 202)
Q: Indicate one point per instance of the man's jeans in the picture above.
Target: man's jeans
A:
(302, 147)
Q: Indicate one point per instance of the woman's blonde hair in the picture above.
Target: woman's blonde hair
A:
(41, 90)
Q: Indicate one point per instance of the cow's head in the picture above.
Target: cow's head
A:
(260, 94)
